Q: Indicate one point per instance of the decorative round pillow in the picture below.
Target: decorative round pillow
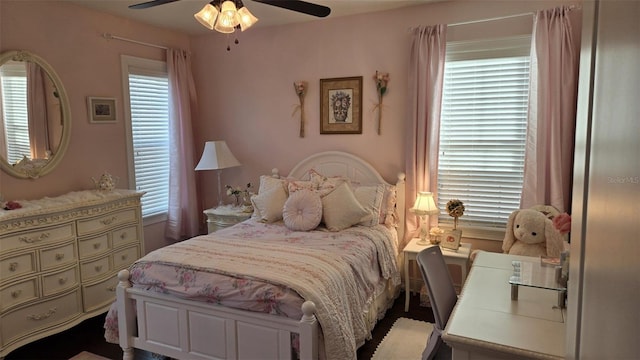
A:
(302, 211)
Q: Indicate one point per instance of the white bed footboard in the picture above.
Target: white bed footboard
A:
(185, 329)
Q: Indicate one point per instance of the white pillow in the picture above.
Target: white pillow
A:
(298, 185)
(370, 197)
(269, 204)
(325, 184)
(269, 182)
(389, 212)
(341, 209)
(302, 210)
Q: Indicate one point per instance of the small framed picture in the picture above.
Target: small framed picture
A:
(341, 105)
(101, 110)
(451, 239)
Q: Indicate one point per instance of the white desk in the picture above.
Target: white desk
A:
(458, 257)
(487, 324)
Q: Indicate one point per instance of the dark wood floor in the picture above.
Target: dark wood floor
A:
(89, 336)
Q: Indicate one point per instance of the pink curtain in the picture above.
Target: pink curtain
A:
(552, 109)
(37, 111)
(183, 210)
(426, 77)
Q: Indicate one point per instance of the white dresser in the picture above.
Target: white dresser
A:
(59, 258)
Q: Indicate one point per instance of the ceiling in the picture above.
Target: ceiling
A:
(179, 15)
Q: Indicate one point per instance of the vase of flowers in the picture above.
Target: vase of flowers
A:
(455, 209)
(239, 193)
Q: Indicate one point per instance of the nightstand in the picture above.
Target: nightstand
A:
(224, 216)
(458, 257)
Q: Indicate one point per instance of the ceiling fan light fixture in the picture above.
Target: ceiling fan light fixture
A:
(207, 16)
(222, 28)
(228, 14)
(247, 19)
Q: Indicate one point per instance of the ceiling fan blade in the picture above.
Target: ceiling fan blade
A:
(152, 3)
(299, 6)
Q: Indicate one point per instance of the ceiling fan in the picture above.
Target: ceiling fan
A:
(294, 5)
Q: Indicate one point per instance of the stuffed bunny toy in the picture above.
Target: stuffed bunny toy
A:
(531, 233)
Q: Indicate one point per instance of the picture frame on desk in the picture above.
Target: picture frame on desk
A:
(451, 239)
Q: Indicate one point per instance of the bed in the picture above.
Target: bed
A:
(309, 292)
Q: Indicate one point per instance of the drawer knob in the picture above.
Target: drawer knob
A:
(31, 240)
(59, 256)
(123, 257)
(15, 294)
(13, 266)
(123, 235)
(63, 280)
(111, 289)
(96, 246)
(98, 268)
(42, 316)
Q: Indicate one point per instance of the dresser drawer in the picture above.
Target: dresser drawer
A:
(40, 237)
(17, 265)
(60, 281)
(107, 221)
(94, 246)
(125, 236)
(100, 294)
(21, 322)
(95, 268)
(125, 257)
(18, 293)
(58, 256)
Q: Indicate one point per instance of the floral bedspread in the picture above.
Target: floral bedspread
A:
(271, 269)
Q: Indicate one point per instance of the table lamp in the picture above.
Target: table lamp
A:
(424, 205)
(217, 156)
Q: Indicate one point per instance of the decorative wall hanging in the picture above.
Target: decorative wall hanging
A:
(341, 105)
(301, 90)
(381, 80)
(101, 110)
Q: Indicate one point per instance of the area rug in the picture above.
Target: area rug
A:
(405, 341)
(85, 355)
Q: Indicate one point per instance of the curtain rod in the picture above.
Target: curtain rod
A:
(530, 13)
(110, 36)
(491, 19)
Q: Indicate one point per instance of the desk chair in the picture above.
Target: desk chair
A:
(442, 294)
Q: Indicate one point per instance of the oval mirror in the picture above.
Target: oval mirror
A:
(36, 121)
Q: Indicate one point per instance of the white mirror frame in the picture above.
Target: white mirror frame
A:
(26, 168)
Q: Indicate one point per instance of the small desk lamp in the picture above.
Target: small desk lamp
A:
(424, 205)
(217, 156)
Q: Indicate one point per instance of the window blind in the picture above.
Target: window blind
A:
(149, 107)
(14, 111)
(482, 135)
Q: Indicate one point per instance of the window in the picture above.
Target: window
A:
(14, 111)
(483, 130)
(147, 88)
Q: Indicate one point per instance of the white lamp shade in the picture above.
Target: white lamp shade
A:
(216, 155)
(224, 25)
(246, 18)
(425, 205)
(207, 16)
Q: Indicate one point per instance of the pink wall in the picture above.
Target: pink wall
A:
(68, 38)
(246, 95)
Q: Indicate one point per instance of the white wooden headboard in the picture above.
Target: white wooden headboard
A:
(339, 163)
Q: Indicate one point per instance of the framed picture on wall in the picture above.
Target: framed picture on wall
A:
(101, 110)
(451, 239)
(341, 105)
